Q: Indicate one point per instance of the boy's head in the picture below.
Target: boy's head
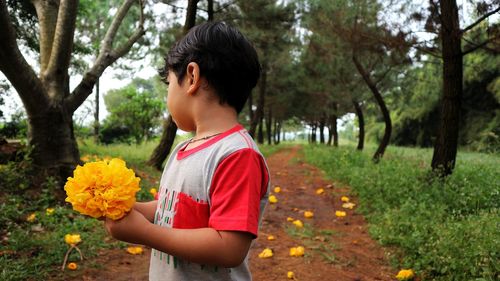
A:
(225, 57)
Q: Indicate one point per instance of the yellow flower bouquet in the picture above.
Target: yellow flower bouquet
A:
(102, 189)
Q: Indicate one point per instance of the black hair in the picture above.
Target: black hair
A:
(227, 60)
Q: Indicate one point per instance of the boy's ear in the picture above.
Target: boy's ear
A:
(193, 78)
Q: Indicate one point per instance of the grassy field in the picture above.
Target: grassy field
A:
(443, 229)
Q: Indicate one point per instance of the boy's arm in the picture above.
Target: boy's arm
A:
(147, 209)
(201, 245)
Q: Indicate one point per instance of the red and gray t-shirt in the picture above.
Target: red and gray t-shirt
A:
(222, 184)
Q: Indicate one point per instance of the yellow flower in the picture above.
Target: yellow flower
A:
(308, 214)
(72, 266)
(298, 223)
(405, 274)
(340, 214)
(320, 191)
(344, 199)
(290, 275)
(72, 239)
(102, 189)
(49, 211)
(271, 237)
(266, 253)
(134, 250)
(273, 199)
(289, 219)
(31, 217)
(297, 251)
(348, 205)
(153, 191)
(277, 189)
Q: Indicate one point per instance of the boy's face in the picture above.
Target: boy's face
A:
(177, 103)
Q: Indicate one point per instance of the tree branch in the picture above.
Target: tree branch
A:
(63, 40)
(47, 20)
(480, 45)
(106, 56)
(14, 66)
(478, 21)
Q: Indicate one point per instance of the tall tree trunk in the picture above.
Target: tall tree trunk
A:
(361, 123)
(313, 132)
(96, 113)
(277, 132)
(321, 127)
(260, 131)
(334, 130)
(383, 108)
(269, 122)
(210, 10)
(259, 112)
(445, 148)
(161, 152)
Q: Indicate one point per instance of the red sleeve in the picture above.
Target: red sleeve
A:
(239, 183)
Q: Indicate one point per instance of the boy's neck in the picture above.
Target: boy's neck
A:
(214, 120)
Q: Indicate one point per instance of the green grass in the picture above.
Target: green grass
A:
(444, 229)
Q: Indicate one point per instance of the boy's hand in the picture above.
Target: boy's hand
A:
(131, 228)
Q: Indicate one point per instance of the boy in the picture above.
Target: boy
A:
(214, 186)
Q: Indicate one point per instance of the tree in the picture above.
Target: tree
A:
(446, 146)
(136, 107)
(46, 97)
(374, 49)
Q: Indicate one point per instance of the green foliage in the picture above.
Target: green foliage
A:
(135, 111)
(16, 176)
(444, 229)
(37, 248)
(17, 127)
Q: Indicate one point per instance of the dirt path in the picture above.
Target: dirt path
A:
(335, 248)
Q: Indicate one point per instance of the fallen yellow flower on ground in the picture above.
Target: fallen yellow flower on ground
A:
(348, 205)
(308, 214)
(134, 250)
(405, 274)
(298, 223)
(320, 191)
(290, 275)
(273, 199)
(153, 191)
(72, 239)
(277, 189)
(344, 199)
(72, 266)
(102, 189)
(297, 251)
(289, 219)
(266, 253)
(31, 217)
(271, 237)
(340, 214)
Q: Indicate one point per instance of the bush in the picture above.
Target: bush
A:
(444, 229)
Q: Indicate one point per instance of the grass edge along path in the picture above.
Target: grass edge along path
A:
(443, 230)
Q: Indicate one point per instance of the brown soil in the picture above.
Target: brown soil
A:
(335, 248)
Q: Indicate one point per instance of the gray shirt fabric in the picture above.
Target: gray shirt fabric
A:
(192, 176)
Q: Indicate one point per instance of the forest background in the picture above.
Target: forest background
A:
(367, 75)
